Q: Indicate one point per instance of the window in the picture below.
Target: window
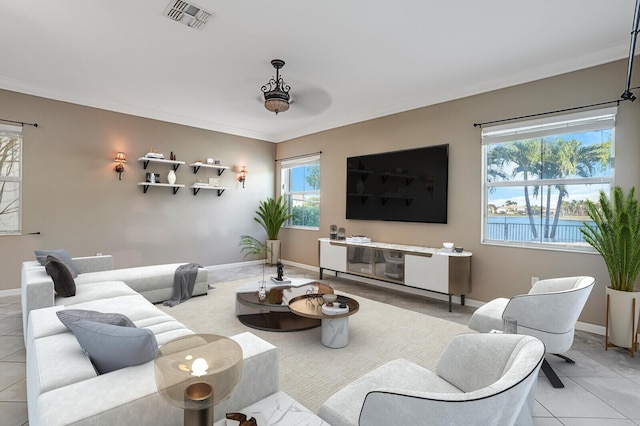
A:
(301, 190)
(537, 176)
(10, 179)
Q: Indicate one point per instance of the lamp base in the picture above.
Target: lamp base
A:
(198, 417)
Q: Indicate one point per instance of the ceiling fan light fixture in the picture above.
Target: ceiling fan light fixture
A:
(276, 91)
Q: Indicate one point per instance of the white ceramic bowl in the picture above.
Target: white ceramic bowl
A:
(448, 245)
(329, 298)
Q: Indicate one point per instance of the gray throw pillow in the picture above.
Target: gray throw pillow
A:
(72, 315)
(63, 282)
(111, 347)
(60, 254)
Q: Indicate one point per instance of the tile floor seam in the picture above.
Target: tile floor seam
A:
(603, 401)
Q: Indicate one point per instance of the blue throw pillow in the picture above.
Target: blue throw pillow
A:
(111, 347)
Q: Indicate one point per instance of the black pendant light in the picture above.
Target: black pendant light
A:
(276, 91)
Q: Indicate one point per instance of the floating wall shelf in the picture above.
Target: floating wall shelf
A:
(146, 160)
(145, 186)
(196, 166)
(197, 188)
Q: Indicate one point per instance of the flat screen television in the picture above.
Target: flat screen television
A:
(405, 186)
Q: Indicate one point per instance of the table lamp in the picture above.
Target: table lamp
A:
(196, 372)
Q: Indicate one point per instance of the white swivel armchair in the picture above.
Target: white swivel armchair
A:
(480, 379)
(549, 312)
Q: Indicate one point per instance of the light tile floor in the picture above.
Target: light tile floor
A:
(602, 388)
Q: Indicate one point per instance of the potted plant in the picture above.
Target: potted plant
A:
(272, 214)
(615, 234)
(253, 247)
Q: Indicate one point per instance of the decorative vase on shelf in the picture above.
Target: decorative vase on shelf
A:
(171, 177)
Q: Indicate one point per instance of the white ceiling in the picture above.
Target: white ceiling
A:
(346, 60)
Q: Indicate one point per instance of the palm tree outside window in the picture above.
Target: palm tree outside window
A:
(538, 175)
(300, 188)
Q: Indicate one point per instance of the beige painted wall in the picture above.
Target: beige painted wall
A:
(72, 196)
(497, 271)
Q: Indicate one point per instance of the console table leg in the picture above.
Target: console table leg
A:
(462, 299)
(449, 303)
(320, 276)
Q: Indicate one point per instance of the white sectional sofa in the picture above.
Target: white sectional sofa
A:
(155, 283)
(63, 387)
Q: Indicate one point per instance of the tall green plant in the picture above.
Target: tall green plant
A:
(272, 214)
(616, 236)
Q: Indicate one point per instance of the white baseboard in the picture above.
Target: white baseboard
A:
(232, 265)
(301, 265)
(10, 292)
(590, 328)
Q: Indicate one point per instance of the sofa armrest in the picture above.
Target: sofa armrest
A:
(260, 374)
(36, 290)
(384, 407)
(94, 263)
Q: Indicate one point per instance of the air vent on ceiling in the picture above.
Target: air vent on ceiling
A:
(187, 13)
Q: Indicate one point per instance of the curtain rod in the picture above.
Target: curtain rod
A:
(298, 156)
(19, 122)
(617, 102)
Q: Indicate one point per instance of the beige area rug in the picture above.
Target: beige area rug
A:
(311, 372)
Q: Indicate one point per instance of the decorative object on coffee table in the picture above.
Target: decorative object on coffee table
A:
(251, 246)
(280, 269)
(242, 418)
(196, 372)
(329, 299)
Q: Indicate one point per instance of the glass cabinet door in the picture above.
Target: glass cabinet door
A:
(359, 260)
(389, 264)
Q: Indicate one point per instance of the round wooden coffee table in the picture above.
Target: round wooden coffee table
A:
(335, 320)
(274, 315)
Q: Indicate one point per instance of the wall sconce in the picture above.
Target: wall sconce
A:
(119, 168)
(243, 175)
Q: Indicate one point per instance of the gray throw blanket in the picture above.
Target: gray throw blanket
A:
(183, 282)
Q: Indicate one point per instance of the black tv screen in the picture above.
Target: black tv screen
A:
(404, 186)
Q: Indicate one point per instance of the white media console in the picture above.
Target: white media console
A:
(417, 267)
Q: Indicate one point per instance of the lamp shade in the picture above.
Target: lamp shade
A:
(198, 371)
(120, 156)
(276, 105)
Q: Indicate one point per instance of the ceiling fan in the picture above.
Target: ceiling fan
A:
(277, 97)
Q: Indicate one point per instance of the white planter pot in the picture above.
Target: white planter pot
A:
(274, 255)
(622, 318)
